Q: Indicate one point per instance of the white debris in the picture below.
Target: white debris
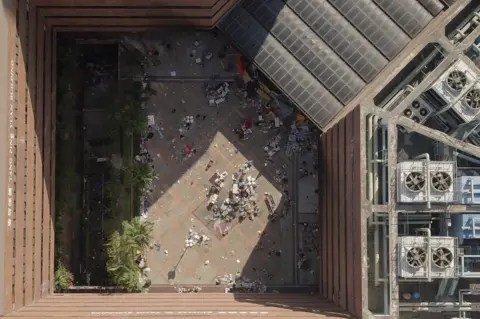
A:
(194, 239)
(188, 289)
(151, 120)
(188, 120)
(217, 95)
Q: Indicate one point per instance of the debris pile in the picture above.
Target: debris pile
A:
(195, 239)
(193, 289)
(241, 201)
(218, 94)
(272, 147)
(298, 140)
(240, 283)
(245, 130)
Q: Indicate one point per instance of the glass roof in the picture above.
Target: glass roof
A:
(282, 68)
(307, 48)
(410, 15)
(375, 25)
(341, 36)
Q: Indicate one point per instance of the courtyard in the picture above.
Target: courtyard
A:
(196, 140)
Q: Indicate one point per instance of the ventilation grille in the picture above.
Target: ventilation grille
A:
(472, 99)
(416, 257)
(442, 257)
(441, 181)
(415, 181)
(456, 80)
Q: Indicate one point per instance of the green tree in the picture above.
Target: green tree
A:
(123, 250)
(138, 233)
(139, 175)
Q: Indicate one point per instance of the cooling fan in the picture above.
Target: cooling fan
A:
(416, 257)
(442, 257)
(472, 98)
(457, 80)
(424, 111)
(441, 181)
(415, 181)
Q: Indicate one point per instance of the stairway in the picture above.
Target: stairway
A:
(188, 305)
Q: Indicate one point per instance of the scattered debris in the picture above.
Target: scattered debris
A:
(240, 283)
(217, 94)
(193, 289)
(194, 239)
(228, 201)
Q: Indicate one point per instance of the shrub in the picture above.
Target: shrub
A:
(63, 278)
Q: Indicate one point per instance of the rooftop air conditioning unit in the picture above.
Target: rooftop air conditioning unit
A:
(468, 108)
(443, 257)
(413, 257)
(455, 82)
(422, 257)
(442, 181)
(425, 181)
(419, 111)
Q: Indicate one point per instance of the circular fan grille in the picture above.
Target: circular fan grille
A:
(442, 257)
(415, 104)
(473, 99)
(416, 257)
(416, 119)
(407, 112)
(415, 181)
(441, 181)
(423, 112)
(456, 80)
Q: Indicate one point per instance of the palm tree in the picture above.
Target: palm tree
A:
(123, 250)
(138, 233)
(140, 175)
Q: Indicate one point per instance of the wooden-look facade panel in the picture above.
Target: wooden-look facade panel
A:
(357, 213)
(337, 196)
(31, 169)
(341, 214)
(219, 305)
(8, 184)
(20, 182)
(323, 165)
(28, 219)
(348, 212)
(201, 14)
(329, 219)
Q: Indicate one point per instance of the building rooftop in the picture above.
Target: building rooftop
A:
(322, 53)
(356, 68)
